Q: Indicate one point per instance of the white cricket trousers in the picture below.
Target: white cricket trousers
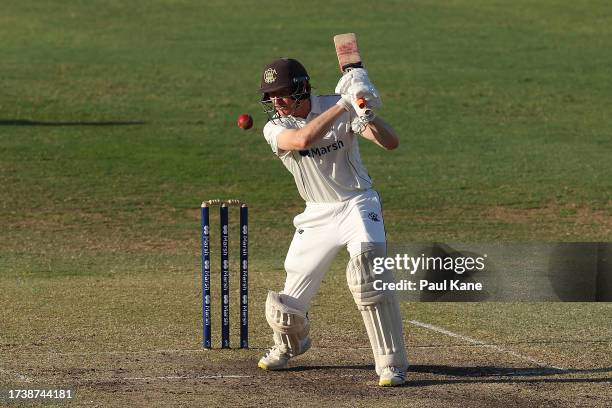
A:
(321, 230)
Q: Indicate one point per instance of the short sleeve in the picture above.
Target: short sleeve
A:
(271, 132)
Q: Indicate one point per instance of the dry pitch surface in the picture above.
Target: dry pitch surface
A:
(470, 362)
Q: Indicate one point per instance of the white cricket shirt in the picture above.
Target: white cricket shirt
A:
(330, 170)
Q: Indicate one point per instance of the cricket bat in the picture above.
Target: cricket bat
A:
(348, 56)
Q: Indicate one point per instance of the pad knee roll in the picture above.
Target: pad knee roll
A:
(360, 277)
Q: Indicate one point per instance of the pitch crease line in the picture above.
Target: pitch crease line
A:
(483, 344)
(187, 377)
(14, 374)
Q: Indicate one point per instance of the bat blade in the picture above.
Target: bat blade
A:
(347, 51)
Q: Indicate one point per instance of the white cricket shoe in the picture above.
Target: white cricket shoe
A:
(278, 356)
(275, 359)
(392, 377)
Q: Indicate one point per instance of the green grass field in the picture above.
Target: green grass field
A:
(118, 118)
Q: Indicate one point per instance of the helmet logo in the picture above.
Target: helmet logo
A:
(270, 75)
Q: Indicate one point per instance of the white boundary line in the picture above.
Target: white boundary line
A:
(483, 344)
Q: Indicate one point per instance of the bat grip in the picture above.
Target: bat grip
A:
(361, 102)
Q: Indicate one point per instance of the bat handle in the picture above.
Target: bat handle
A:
(361, 102)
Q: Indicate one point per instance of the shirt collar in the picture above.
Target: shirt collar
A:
(315, 106)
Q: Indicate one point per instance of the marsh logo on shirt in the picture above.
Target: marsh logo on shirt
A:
(322, 151)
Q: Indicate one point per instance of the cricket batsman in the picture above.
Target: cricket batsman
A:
(316, 138)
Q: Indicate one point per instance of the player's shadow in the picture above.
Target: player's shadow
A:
(26, 122)
(581, 271)
(332, 367)
(487, 374)
(478, 374)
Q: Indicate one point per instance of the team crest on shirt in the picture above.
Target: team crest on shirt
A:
(373, 216)
(270, 75)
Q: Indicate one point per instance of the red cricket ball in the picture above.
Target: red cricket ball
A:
(245, 121)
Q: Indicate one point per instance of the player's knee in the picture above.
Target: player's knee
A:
(292, 265)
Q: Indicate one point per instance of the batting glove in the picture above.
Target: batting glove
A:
(345, 102)
(358, 125)
(366, 91)
(350, 77)
(344, 83)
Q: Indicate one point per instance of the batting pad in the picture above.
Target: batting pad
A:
(290, 325)
(380, 312)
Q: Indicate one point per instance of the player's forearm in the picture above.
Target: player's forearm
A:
(381, 133)
(318, 127)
